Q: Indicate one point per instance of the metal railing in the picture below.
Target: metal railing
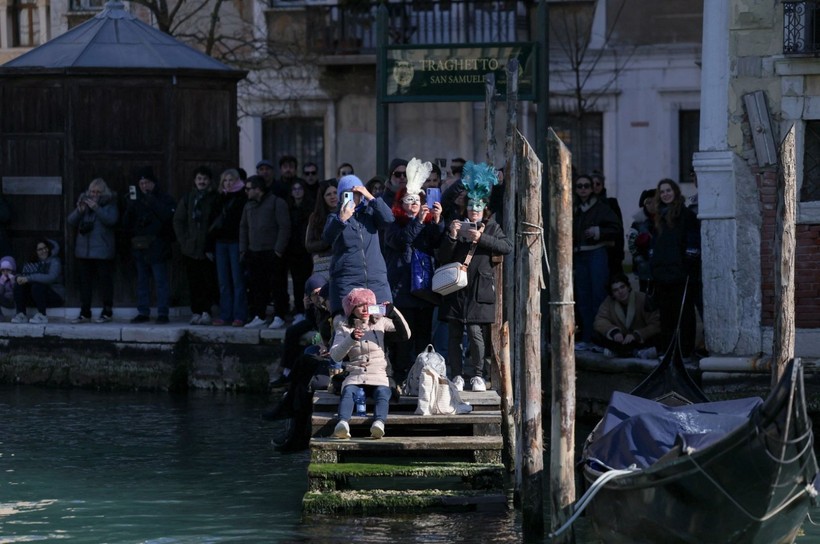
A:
(801, 27)
(351, 28)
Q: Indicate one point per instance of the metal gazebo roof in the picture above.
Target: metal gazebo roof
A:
(115, 38)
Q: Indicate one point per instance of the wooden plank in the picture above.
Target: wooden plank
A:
(408, 443)
(785, 246)
(32, 185)
(478, 400)
(414, 419)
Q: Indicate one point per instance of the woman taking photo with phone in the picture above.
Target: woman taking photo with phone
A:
(409, 244)
(473, 307)
(95, 217)
(353, 233)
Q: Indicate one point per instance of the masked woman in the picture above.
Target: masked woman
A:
(473, 307)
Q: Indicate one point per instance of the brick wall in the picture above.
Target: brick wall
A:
(807, 266)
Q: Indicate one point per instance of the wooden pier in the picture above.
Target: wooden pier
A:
(422, 462)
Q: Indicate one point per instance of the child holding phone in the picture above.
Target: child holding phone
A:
(359, 338)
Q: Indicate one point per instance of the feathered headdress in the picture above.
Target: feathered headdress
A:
(417, 174)
(479, 180)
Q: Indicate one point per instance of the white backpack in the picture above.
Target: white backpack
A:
(439, 396)
(427, 358)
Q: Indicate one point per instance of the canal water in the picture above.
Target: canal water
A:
(100, 467)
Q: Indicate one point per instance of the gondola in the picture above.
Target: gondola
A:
(666, 465)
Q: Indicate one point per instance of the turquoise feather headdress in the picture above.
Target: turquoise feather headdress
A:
(479, 180)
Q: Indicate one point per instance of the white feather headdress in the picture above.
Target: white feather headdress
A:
(417, 174)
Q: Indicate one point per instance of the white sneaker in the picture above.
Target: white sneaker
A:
(342, 430)
(20, 318)
(377, 429)
(277, 323)
(38, 319)
(477, 384)
(205, 319)
(195, 319)
(458, 381)
(297, 318)
(256, 323)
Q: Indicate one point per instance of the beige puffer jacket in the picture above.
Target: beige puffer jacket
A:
(367, 362)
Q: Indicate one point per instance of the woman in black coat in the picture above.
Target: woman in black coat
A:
(473, 306)
(674, 262)
(417, 229)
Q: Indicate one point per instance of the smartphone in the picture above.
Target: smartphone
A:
(132, 192)
(469, 225)
(377, 309)
(433, 196)
(347, 196)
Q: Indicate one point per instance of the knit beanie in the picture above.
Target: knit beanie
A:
(395, 163)
(347, 183)
(356, 297)
(8, 263)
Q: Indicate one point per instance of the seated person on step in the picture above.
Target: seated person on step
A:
(359, 339)
(626, 324)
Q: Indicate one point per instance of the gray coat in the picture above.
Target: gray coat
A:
(98, 243)
(265, 225)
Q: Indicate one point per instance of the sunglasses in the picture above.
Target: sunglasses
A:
(583, 186)
(313, 173)
(399, 174)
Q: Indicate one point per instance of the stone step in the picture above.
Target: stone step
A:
(480, 401)
(478, 449)
(405, 474)
(405, 423)
(385, 500)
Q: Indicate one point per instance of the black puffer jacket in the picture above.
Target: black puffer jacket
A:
(476, 302)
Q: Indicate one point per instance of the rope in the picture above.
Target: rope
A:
(593, 490)
(808, 489)
(539, 230)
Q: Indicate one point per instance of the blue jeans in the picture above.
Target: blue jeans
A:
(379, 393)
(233, 302)
(145, 271)
(591, 272)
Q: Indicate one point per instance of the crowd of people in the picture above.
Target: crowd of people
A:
(664, 242)
(369, 249)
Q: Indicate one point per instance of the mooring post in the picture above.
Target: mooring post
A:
(785, 242)
(530, 253)
(562, 318)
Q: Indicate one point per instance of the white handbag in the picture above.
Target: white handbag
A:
(453, 276)
(449, 278)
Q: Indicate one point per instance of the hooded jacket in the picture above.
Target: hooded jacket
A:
(99, 242)
(357, 256)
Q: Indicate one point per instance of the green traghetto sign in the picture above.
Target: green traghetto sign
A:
(455, 74)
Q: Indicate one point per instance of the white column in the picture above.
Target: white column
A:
(250, 142)
(42, 18)
(5, 27)
(727, 199)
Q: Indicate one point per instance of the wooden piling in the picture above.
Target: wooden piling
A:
(528, 317)
(784, 328)
(562, 318)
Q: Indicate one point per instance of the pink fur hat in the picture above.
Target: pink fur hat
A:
(358, 296)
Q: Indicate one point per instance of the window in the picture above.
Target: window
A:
(688, 140)
(801, 33)
(810, 188)
(302, 137)
(583, 137)
(86, 5)
(25, 23)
